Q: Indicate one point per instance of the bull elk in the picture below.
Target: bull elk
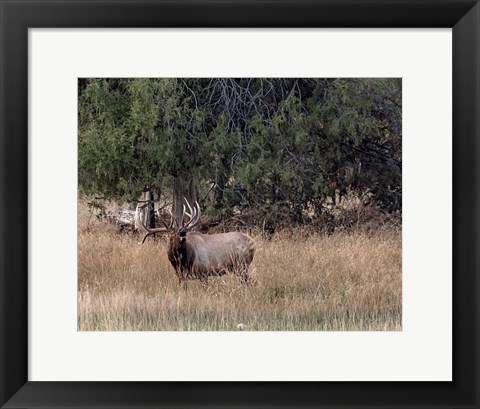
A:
(195, 255)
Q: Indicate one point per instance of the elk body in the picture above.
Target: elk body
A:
(199, 256)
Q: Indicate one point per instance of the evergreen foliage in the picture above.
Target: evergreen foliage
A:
(284, 147)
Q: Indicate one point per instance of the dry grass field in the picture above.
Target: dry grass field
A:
(305, 283)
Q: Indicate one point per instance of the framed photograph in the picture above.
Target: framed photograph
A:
(239, 204)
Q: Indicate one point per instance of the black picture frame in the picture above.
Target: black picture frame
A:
(18, 16)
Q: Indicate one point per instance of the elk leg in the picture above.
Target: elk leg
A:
(182, 281)
(244, 277)
(243, 272)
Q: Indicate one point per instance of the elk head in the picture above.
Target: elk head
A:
(192, 213)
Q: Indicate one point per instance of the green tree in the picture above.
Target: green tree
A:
(137, 132)
(284, 147)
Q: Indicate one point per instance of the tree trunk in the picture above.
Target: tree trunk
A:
(183, 188)
(150, 209)
(146, 209)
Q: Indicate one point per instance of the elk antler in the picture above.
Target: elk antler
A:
(170, 225)
(140, 222)
(193, 215)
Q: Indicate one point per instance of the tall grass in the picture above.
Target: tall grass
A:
(337, 282)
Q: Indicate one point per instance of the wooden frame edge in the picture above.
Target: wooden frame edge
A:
(17, 17)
